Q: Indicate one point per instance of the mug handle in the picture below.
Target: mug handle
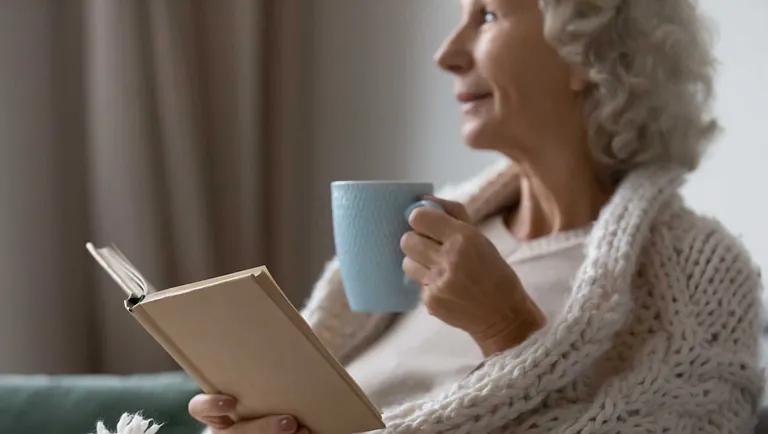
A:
(422, 203)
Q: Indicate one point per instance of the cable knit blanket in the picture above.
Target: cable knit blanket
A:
(666, 308)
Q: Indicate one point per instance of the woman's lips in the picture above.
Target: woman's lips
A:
(467, 97)
(471, 101)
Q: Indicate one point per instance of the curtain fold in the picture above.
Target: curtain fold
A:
(168, 127)
(41, 189)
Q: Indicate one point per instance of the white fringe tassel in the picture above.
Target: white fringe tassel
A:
(131, 424)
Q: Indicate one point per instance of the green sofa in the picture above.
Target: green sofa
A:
(72, 404)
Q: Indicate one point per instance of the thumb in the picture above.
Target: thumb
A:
(267, 425)
(452, 208)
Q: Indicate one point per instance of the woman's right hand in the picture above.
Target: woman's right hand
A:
(217, 411)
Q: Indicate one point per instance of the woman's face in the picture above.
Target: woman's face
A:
(517, 94)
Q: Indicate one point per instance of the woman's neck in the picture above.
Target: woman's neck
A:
(562, 194)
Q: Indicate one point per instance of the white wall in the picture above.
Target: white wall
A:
(733, 182)
(381, 109)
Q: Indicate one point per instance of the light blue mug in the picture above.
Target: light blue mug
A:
(369, 218)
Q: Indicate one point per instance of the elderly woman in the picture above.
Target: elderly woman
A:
(569, 288)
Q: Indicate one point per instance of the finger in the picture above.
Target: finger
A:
(452, 208)
(205, 405)
(420, 248)
(415, 271)
(267, 425)
(432, 223)
(218, 422)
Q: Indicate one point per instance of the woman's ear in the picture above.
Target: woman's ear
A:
(579, 79)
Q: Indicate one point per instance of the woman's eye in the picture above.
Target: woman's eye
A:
(488, 16)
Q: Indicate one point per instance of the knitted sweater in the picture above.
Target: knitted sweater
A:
(665, 309)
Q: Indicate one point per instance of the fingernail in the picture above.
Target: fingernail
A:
(434, 205)
(226, 404)
(288, 424)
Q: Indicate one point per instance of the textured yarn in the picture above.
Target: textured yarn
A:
(660, 334)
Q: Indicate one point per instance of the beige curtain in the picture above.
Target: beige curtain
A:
(168, 127)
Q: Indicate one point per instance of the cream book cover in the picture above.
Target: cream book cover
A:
(238, 334)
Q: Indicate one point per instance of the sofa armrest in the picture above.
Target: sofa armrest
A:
(72, 404)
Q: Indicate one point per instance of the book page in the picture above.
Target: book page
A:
(121, 270)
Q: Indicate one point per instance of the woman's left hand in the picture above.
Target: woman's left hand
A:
(465, 282)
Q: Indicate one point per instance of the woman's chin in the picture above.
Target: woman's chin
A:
(476, 137)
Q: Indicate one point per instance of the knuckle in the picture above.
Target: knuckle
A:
(465, 238)
(456, 208)
(460, 245)
(451, 270)
(406, 265)
(407, 240)
(410, 270)
(454, 249)
(416, 217)
(449, 267)
(465, 233)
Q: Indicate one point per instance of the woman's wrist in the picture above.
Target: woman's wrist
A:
(512, 332)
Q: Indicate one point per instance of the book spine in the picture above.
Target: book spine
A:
(146, 321)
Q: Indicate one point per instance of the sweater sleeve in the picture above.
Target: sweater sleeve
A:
(728, 289)
(709, 377)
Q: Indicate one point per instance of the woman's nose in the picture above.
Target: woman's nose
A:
(453, 57)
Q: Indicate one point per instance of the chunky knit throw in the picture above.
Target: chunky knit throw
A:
(665, 308)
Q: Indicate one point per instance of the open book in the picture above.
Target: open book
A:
(238, 334)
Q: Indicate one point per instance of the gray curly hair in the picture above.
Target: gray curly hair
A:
(650, 66)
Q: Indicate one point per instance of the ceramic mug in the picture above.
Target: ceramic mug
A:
(369, 218)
